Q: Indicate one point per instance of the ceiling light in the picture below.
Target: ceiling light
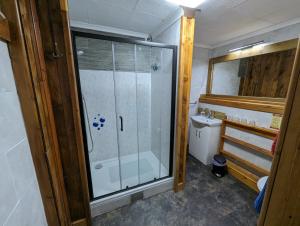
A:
(261, 46)
(261, 43)
(187, 3)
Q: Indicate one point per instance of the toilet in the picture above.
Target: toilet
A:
(261, 183)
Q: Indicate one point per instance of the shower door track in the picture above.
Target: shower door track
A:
(78, 33)
(114, 201)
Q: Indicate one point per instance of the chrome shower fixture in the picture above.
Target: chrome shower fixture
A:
(155, 67)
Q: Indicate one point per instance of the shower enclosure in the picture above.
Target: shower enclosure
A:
(127, 99)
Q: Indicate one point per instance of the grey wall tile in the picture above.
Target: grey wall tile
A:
(20, 197)
(21, 167)
(12, 127)
(28, 210)
(8, 197)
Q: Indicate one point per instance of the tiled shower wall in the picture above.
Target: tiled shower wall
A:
(20, 197)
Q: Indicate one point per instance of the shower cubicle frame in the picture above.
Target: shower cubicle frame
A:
(96, 35)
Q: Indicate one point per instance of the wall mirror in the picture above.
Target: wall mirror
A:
(256, 78)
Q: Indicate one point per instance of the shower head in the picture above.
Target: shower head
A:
(155, 67)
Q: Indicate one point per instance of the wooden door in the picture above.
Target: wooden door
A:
(282, 201)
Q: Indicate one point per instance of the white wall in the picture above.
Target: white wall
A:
(171, 35)
(20, 199)
(199, 76)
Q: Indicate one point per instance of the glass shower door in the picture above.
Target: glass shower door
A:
(127, 96)
(125, 93)
(96, 80)
(143, 89)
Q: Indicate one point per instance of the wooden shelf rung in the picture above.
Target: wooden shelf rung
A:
(253, 147)
(243, 175)
(246, 163)
(264, 132)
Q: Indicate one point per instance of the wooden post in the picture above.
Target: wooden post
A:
(55, 33)
(282, 201)
(183, 97)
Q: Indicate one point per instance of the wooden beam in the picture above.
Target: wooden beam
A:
(273, 105)
(282, 201)
(273, 48)
(35, 50)
(183, 97)
(56, 39)
(4, 28)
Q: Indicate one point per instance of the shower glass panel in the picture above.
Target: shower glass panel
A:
(125, 92)
(161, 94)
(148, 161)
(127, 95)
(96, 78)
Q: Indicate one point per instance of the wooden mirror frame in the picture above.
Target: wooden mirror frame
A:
(264, 104)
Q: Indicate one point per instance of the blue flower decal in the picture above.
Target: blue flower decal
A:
(98, 122)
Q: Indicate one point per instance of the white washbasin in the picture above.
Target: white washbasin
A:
(206, 121)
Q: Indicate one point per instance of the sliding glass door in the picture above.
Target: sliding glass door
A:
(127, 94)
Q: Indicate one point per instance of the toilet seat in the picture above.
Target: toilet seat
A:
(261, 182)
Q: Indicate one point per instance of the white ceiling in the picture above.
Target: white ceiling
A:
(218, 22)
(135, 15)
(223, 20)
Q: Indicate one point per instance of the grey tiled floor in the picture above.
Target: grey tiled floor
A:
(205, 201)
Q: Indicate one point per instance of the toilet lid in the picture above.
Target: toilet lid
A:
(261, 183)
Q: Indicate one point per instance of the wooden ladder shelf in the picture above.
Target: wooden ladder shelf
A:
(242, 169)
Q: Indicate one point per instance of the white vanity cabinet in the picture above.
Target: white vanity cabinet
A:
(204, 138)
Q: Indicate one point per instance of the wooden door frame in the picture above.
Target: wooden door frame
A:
(54, 28)
(281, 205)
(28, 67)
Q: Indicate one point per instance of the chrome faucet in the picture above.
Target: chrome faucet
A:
(210, 114)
